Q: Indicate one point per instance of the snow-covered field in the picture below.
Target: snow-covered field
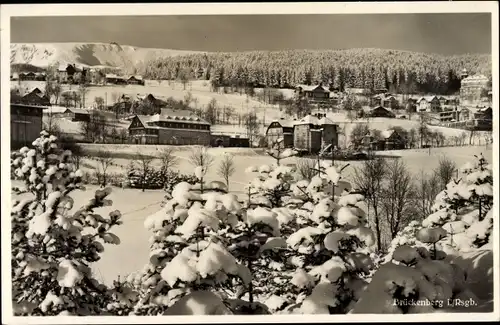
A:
(199, 89)
(133, 251)
(416, 159)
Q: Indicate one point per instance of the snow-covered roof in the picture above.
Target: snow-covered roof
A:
(69, 91)
(356, 90)
(427, 98)
(136, 77)
(146, 119)
(325, 121)
(78, 110)
(285, 123)
(386, 133)
(311, 88)
(114, 76)
(475, 78)
(309, 119)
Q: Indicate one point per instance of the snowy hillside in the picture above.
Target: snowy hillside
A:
(87, 54)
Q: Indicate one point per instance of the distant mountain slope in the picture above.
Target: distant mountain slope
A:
(86, 54)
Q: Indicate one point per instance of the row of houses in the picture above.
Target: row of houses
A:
(66, 73)
(28, 76)
(111, 78)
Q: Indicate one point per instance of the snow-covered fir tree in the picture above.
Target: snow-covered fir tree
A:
(332, 248)
(464, 208)
(325, 246)
(189, 258)
(52, 247)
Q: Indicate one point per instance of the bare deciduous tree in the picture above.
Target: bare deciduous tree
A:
(226, 169)
(105, 159)
(200, 157)
(445, 171)
(306, 168)
(369, 179)
(143, 163)
(167, 158)
(427, 187)
(95, 128)
(397, 198)
(251, 125)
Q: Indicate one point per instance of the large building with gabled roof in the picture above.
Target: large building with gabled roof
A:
(169, 128)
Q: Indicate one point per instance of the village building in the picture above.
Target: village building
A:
(40, 76)
(385, 100)
(380, 111)
(311, 134)
(27, 76)
(446, 101)
(280, 131)
(14, 76)
(25, 124)
(167, 128)
(228, 140)
(77, 114)
(473, 88)
(429, 104)
(313, 93)
(36, 97)
(357, 91)
(449, 116)
(392, 140)
(387, 140)
(229, 136)
(135, 80)
(62, 74)
(149, 99)
(470, 118)
(72, 69)
(111, 78)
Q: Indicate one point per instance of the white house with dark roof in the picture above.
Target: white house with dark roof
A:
(429, 104)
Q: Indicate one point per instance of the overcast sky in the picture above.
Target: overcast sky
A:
(448, 33)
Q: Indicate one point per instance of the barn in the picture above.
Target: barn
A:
(167, 128)
(135, 80)
(25, 124)
(280, 130)
(229, 140)
(36, 97)
(380, 111)
(311, 134)
(77, 115)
